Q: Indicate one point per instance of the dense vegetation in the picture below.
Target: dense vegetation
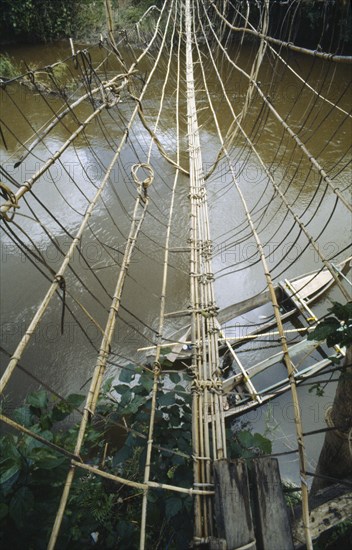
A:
(310, 23)
(101, 512)
(32, 475)
(44, 21)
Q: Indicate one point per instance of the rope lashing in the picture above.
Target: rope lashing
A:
(9, 196)
(147, 181)
(62, 284)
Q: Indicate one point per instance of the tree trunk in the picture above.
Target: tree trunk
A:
(335, 459)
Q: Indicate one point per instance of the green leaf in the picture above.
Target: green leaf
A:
(342, 312)
(61, 411)
(165, 351)
(107, 385)
(20, 505)
(147, 382)
(262, 443)
(122, 455)
(127, 374)
(38, 399)
(23, 416)
(75, 400)
(173, 505)
(324, 329)
(245, 438)
(45, 459)
(166, 399)
(135, 404)
(9, 472)
(122, 388)
(175, 378)
(46, 422)
(165, 363)
(125, 398)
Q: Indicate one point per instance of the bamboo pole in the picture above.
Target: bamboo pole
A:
(99, 370)
(276, 309)
(157, 368)
(314, 53)
(143, 486)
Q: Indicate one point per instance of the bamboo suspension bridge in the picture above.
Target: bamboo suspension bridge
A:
(192, 44)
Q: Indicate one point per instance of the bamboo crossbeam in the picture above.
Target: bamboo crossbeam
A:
(236, 338)
(30, 433)
(143, 486)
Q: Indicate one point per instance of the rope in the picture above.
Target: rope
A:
(11, 198)
(147, 181)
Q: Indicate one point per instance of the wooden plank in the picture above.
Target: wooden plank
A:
(273, 530)
(298, 300)
(240, 308)
(309, 285)
(302, 346)
(278, 388)
(232, 504)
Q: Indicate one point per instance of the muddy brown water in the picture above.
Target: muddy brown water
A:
(65, 362)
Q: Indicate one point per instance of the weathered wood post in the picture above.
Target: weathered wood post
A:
(335, 458)
(233, 513)
(271, 517)
(250, 509)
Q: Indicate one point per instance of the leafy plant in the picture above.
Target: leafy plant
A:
(99, 511)
(336, 329)
(8, 68)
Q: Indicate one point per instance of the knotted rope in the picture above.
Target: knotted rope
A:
(10, 196)
(147, 181)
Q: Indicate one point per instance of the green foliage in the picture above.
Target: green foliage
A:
(8, 68)
(339, 537)
(32, 475)
(42, 21)
(336, 330)
(245, 444)
(292, 494)
(36, 20)
(318, 389)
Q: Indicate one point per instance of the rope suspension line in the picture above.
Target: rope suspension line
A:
(124, 178)
(287, 128)
(262, 35)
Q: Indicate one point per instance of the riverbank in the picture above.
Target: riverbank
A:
(33, 21)
(84, 21)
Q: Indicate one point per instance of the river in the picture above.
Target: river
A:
(65, 361)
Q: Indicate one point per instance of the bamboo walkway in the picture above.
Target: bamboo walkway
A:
(191, 40)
